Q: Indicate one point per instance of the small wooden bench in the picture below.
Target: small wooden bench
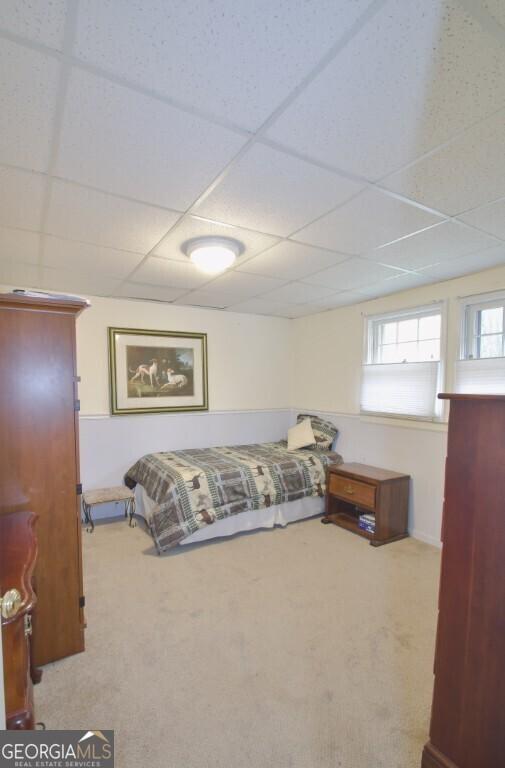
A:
(117, 494)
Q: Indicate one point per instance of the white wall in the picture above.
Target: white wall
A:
(327, 359)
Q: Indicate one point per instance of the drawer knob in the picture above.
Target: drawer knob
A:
(349, 490)
(10, 603)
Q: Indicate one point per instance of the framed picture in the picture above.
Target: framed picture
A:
(157, 371)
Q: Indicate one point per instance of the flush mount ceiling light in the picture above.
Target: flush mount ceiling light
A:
(212, 254)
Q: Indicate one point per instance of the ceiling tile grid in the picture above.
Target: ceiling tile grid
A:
(124, 142)
(91, 216)
(107, 262)
(368, 221)
(395, 92)
(273, 192)
(494, 257)
(291, 261)
(490, 218)
(171, 274)
(236, 60)
(433, 245)
(464, 174)
(337, 142)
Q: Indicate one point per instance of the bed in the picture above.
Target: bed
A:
(197, 494)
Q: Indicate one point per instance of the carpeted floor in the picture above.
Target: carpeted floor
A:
(295, 648)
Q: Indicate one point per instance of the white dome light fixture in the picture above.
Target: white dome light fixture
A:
(212, 254)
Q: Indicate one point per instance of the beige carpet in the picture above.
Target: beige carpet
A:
(295, 648)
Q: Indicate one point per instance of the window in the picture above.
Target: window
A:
(402, 368)
(481, 367)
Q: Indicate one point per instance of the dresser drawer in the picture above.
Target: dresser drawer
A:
(357, 493)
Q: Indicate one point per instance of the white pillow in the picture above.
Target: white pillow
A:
(300, 435)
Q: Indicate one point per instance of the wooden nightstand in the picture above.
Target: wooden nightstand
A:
(356, 489)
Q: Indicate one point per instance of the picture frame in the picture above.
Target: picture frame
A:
(157, 371)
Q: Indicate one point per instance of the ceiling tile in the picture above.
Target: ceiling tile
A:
(94, 217)
(192, 226)
(83, 257)
(340, 299)
(402, 282)
(493, 257)
(174, 274)
(21, 198)
(443, 241)
(467, 173)
(258, 307)
(413, 77)
(19, 245)
(490, 218)
(19, 275)
(351, 274)
(80, 284)
(121, 141)
(291, 261)
(35, 20)
(149, 292)
(206, 299)
(28, 85)
(273, 192)
(369, 220)
(497, 10)
(298, 293)
(240, 284)
(244, 58)
(291, 311)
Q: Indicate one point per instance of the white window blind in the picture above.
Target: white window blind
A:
(400, 389)
(484, 376)
(402, 364)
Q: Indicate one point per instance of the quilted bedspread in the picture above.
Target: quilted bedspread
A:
(193, 488)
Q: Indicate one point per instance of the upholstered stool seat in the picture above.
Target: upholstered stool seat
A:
(116, 494)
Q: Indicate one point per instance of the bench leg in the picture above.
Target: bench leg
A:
(88, 519)
(130, 510)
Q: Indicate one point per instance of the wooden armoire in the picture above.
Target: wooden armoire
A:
(39, 458)
(468, 714)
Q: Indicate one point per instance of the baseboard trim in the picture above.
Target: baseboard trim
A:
(426, 538)
(433, 758)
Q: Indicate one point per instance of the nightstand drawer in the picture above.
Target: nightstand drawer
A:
(357, 493)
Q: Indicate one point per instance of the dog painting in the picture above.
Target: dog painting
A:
(157, 371)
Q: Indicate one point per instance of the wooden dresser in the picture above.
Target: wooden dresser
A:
(468, 713)
(353, 489)
(18, 551)
(39, 458)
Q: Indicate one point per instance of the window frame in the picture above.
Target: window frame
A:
(375, 321)
(370, 347)
(470, 306)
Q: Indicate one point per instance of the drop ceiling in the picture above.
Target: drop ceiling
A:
(355, 148)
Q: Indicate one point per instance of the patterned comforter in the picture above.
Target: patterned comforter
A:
(193, 488)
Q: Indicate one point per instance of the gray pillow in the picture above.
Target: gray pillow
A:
(324, 431)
